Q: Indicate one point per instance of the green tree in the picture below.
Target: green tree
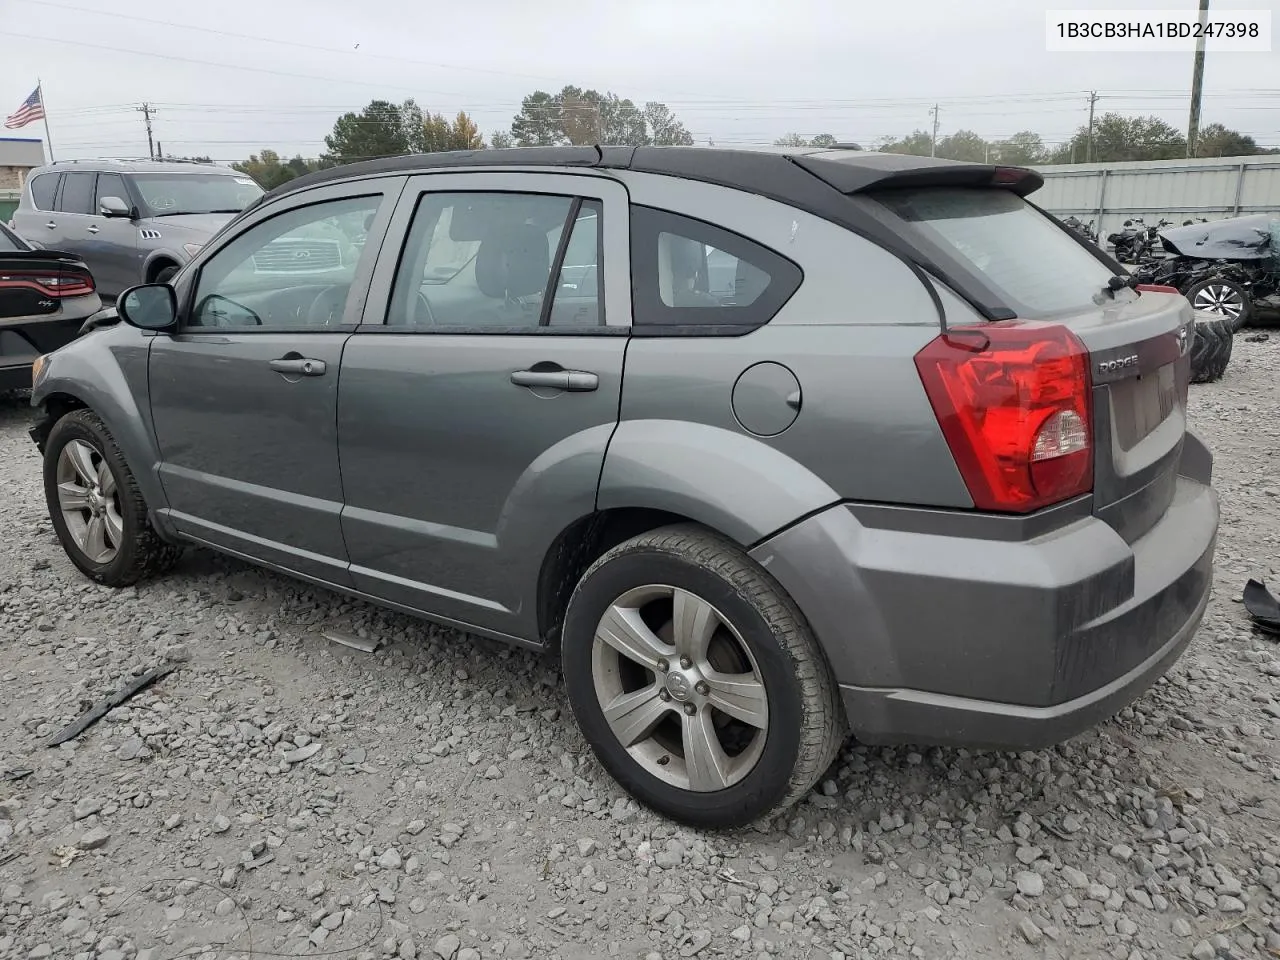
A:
(1117, 138)
(1215, 140)
(577, 116)
(431, 133)
(799, 140)
(964, 145)
(917, 144)
(376, 131)
(1022, 149)
(501, 140)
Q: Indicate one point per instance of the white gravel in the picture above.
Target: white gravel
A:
(279, 795)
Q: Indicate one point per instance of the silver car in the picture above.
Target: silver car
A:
(131, 221)
(771, 447)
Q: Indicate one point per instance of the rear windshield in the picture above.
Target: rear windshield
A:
(1033, 265)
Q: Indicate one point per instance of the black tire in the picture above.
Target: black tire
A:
(166, 274)
(806, 722)
(1215, 289)
(141, 552)
(1211, 350)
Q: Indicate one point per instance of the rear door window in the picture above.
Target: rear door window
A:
(1034, 266)
(77, 193)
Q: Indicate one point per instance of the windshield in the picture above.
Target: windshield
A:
(171, 194)
(1034, 265)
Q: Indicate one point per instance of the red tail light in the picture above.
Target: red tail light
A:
(57, 284)
(1155, 288)
(1014, 401)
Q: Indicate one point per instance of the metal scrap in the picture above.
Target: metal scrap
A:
(106, 705)
(351, 640)
(1263, 608)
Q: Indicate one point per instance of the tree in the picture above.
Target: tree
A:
(431, 133)
(797, 140)
(269, 172)
(1021, 150)
(916, 144)
(500, 140)
(577, 116)
(377, 131)
(1117, 138)
(964, 145)
(1215, 140)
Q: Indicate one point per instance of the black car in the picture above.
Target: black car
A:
(45, 297)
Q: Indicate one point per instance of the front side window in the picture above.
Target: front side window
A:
(77, 193)
(484, 261)
(42, 188)
(293, 271)
(690, 273)
(177, 194)
(110, 185)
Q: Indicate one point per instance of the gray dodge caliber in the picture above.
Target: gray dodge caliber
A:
(771, 447)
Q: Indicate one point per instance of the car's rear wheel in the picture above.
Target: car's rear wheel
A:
(1226, 298)
(96, 507)
(697, 681)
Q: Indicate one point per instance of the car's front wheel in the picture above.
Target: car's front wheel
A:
(697, 681)
(1224, 297)
(96, 507)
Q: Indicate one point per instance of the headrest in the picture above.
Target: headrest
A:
(514, 261)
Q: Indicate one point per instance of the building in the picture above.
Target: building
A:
(18, 157)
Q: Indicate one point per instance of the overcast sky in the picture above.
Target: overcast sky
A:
(276, 73)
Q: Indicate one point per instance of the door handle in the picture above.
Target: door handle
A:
(575, 381)
(298, 366)
(51, 225)
(93, 229)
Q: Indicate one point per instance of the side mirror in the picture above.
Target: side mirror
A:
(114, 207)
(151, 306)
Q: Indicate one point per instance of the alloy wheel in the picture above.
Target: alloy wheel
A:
(1220, 299)
(89, 501)
(680, 689)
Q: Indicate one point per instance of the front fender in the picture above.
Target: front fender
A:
(106, 371)
(728, 481)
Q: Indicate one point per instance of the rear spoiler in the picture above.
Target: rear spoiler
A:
(902, 172)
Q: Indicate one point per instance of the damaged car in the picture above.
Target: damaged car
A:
(1228, 267)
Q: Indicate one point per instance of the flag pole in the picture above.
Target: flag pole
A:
(44, 109)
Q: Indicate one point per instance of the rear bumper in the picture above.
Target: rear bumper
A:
(24, 339)
(938, 636)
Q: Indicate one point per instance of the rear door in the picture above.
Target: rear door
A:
(479, 396)
(74, 216)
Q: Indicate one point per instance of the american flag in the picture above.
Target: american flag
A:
(32, 109)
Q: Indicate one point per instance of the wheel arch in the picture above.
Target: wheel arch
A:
(156, 261)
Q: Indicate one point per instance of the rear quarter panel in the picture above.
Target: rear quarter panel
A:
(865, 430)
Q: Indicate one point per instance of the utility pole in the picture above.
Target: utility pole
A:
(933, 143)
(1093, 98)
(146, 112)
(1197, 84)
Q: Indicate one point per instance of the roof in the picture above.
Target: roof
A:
(779, 172)
(21, 152)
(129, 165)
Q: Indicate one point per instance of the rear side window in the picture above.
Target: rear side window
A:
(42, 188)
(1031, 264)
(77, 193)
(689, 273)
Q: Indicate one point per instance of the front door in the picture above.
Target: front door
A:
(112, 245)
(479, 397)
(244, 395)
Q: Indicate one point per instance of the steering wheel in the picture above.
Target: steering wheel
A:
(242, 315)
(424, 309)
(327, 308)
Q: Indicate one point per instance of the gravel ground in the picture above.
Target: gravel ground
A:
(278, 795)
